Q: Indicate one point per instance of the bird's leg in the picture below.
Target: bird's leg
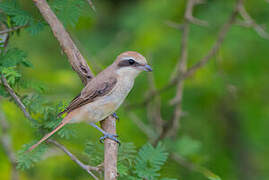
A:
(115, 116)
(106, 134)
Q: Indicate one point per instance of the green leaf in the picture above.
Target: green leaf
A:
(150, 160)
(33, 85)
(35, 27)
(68, 11)
(95, 152)
(18, 16)
(3, 91)
(66, 132)
(122, 169)
(127, 152)
(11, 75)
(27, 160)
(13, 57)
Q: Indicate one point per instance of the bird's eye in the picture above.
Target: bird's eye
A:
(131, 61)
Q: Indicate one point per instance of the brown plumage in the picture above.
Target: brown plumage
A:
(88, 94)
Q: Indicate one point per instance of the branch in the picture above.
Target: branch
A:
(87, 168)
(16, 99)
(5, 140)
(111, 150)
(79, 65)
(181, 69)
(222, 34)
(250, 22)
(75, 58)
(12, 29)
(174, 25)
(189, 11)
(92, 5)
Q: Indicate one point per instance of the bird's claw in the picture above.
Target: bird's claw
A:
(110, 136)
(115, 116)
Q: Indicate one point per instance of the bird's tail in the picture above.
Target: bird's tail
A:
(63, 122)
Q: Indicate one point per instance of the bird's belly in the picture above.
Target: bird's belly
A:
(103, 106)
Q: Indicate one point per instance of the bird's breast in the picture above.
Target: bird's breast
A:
(106, 105)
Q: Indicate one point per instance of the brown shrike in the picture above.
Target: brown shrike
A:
(103, 95)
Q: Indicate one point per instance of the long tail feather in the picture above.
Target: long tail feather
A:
(64, 122)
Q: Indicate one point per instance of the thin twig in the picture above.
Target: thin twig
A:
(12, 29)
(6, 142)
(92, 5)
(174, 25)
(87, 168)
(181, 68)
(250, 22)
(189, 13)
(222, 34)
(16, 99)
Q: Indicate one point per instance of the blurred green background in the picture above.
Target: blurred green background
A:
(226, 110)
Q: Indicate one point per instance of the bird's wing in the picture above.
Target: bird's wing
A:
(90, 93)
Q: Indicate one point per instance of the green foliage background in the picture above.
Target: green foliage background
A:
(225, 127)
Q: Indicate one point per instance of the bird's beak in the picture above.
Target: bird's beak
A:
(146, 67)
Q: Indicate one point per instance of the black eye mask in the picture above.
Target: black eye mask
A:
(128, 62)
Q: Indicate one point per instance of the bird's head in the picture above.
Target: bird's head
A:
(131, 63)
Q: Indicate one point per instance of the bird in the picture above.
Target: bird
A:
(104, 94)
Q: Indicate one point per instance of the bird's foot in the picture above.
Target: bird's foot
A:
(106, 134)
(115, 116)
(110, 136)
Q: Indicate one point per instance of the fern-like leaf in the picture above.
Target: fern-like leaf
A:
(27, 160)
(150, 160)
(68, 11)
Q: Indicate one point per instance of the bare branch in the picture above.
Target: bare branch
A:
(189, 11)
(75, 58)
(16, 99)
(174, 25)
(5, 140)
(181, 69)
(111, 150)
(79, 65)
(87, 168)
(12, 29)
(222, 34)
(250, 22)
(92, 5)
